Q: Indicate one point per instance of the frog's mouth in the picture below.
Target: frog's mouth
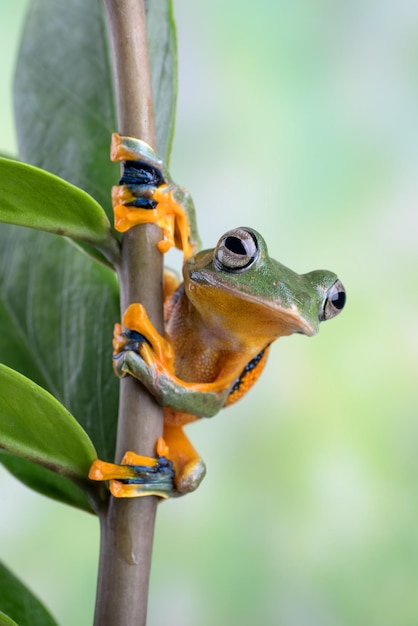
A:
(290, 316)
(229, 303)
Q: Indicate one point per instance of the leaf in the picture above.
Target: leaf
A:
(36, 427)
(45, 481)
(57, 311)
(64, 65)
(6, 621)
(162, 44)
(18, 604)
(32, 197)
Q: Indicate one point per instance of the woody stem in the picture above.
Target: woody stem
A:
(127, 525)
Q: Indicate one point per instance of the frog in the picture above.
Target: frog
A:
(234, 301)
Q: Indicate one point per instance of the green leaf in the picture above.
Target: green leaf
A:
(32, 197)
(6, 621)
(162, 44)
(45, 481)
(64, 102)
(64, 65)
(57, 311)
(36, 427)
(18, 604)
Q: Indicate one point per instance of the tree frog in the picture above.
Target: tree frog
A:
(234, 301)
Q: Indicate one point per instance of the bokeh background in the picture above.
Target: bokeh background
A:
(298, 118)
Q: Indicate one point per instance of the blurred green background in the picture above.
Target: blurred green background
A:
(298, 118)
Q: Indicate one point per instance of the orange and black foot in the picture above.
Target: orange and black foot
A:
(136, 476)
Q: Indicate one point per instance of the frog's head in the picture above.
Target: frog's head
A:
(239, 288)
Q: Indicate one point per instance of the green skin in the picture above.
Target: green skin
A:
(296, 301)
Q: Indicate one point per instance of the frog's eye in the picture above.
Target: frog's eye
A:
(236, 250)
(334, 301)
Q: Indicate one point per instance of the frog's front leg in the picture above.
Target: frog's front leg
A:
(143, 353)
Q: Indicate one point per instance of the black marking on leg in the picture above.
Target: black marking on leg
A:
(141, 173)
(161, 476)
(135, 339)
(141, 202)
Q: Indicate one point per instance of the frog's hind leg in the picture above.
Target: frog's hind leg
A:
(189, 469)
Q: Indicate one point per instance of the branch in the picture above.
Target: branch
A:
(127, 526)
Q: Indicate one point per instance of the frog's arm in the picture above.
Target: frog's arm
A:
(146, 355)
(202, 400)
(143, 353)
(147, 194)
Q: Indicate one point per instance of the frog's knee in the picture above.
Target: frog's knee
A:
(191, 476)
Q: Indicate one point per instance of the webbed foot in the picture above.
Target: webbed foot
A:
(136, 476)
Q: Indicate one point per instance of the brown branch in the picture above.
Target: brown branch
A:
(127, 526)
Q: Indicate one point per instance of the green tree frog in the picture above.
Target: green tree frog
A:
(233, 303)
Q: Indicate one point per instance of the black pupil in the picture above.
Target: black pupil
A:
(338, 300)
(234, 244)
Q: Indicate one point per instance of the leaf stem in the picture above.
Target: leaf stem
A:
(127, 526)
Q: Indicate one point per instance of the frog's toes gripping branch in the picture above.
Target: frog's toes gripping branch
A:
(156, 353)
(147, 194)
(137, 476)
